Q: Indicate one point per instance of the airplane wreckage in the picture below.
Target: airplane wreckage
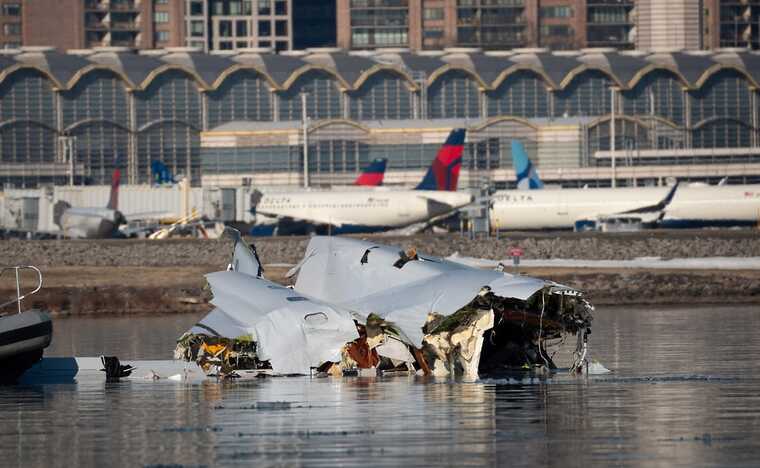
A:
(360, 308)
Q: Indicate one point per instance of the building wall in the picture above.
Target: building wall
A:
(76, 24)
(560, 24)
(664, 125)
(676, 24)
(733, 23)
(238, 24)
(436, 24)
(11, 27)
(54, 22)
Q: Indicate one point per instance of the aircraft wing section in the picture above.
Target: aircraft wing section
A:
(149, 215)
(658, 207)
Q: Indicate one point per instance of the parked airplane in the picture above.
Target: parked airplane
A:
(690, 207)
(91, 223)
(108, 222)
(368, 211)
(373, 174)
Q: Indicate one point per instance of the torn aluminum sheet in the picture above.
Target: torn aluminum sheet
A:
(464, 320)
(358, 306)
(282, 329)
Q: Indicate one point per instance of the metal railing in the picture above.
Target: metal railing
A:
(19, 296)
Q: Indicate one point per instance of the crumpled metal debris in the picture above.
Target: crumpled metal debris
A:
(358, 306)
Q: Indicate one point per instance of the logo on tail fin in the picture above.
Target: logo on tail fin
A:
(372, 175)
(443, 174)
(161, 173)
(113, 201)
(527, 176)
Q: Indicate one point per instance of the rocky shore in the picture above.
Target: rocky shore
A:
(140, 276)
(191, 252)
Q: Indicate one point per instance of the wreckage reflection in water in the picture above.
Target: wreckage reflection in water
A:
(684, 393)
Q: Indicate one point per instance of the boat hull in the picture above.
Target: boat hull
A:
(23, 337)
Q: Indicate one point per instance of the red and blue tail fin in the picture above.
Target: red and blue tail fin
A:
(113, 200)
(443, 174)
(373, 174)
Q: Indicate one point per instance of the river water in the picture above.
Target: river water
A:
(685, 391)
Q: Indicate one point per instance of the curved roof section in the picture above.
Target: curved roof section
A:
(281, 67)
(625, 66)
(133, 68)
(425, 64)
(490, 67)
(558, 69)
(207, 67)
(60, 67)
(692, 66)
(350, 67)
(6, 61)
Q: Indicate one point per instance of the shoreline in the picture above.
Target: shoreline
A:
(139, 277)
(109, 291)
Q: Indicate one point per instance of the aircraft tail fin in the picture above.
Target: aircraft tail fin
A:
(527, 176)
(373, 174)
(443, 174)
(161, 173)
(113, 200)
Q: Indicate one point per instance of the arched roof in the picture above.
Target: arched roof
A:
(634, 119)
(94, 122)
(94, 67)
(441, 72)
(308, 67)
(489, 70)
(380, 68)
(719, 118)
(154, 74)
(207, 67)
(692, 66)
(330, 122)
(497, 120)
(20, 67)
(250, 67)
(61, 67)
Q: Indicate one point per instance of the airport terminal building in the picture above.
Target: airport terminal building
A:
(234, 118)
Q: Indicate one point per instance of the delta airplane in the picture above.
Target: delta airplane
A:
(664, 207)
(368, 210)
(91, 222)
(104, 223)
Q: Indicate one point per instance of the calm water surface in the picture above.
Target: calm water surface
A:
(685, 392)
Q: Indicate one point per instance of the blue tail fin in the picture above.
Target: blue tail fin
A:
(443, 174)
(527, 177)
(161, 173)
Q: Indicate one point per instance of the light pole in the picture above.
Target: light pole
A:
(68, 152)
(612, 134)
(305, 137)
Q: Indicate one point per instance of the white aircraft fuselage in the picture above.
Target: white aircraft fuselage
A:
(90, 223)
(362, 211)
(704, 206)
